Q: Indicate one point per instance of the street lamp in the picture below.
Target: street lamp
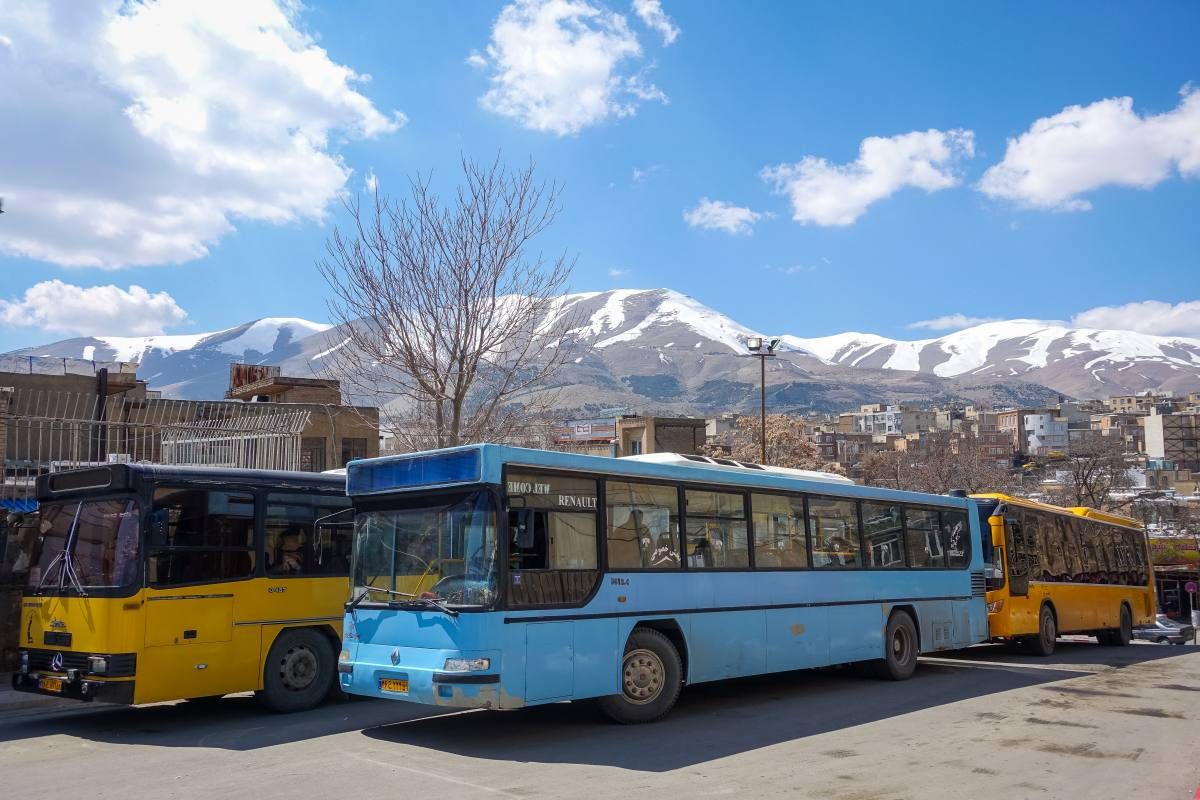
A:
(762, 349)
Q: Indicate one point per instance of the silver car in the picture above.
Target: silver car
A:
(1164, 629)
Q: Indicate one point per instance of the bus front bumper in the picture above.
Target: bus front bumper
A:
(74, 687)
(419, 675)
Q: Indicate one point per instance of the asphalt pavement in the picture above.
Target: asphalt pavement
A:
(1090, 722)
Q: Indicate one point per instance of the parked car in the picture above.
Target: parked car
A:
(1164, 629)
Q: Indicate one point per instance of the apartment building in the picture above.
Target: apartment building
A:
(1174, 438)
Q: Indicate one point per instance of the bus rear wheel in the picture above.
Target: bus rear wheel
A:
(900, 649)
(1043, 643)
(1122, 635)
(651, 679)
(298, 672)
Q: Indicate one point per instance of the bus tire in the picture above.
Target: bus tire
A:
(298, 671)
(1043, 643)
(900, 649)
(1124, 635)
(651, 679)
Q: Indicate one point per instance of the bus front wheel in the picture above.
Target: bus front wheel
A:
(298, 672)
(1043, 643)
(900, 649)
(651, 679)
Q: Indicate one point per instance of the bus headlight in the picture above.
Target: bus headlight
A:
(466, 664)
(344, 665)
(24, 663)
(98, 665)
(995, 607)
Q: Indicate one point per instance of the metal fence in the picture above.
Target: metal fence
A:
(48, 431)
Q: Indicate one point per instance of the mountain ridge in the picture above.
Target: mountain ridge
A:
(658, 350)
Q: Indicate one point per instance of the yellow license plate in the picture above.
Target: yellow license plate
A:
(51, 684)
(393, 685)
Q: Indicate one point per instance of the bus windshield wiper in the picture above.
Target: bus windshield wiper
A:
(434, 602)
(63, 559)
(368, 589)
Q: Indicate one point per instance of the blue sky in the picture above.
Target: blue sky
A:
(1097, 207)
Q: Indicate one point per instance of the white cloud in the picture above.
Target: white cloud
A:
(558, 66)
(1147, 316)
(60, 307)
(792, 269)
(722, 216)
(1082, 148)
(617, 272)
(831, 194)
(640, 174)
(951, 322)
(370, 182)
(138, 133)
(652, 16)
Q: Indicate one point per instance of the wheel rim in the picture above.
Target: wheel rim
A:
(642, 677)
(1048, 635)
(901, 645)
(298, 668)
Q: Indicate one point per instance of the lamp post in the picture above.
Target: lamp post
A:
(762, 349)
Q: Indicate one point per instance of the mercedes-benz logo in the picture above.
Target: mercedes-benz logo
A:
(395, 656)
(56, 662)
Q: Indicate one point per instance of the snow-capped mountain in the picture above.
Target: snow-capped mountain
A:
(1077, 361)
(193, 365)
(656, 350)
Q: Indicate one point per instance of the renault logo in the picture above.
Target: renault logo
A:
(57, 624)
(56, 662)
(395, 656)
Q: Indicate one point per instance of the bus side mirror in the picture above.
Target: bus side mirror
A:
(157, 535)
(522, 523)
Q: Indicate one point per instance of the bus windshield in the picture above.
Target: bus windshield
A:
(441, 550)
(87, 544)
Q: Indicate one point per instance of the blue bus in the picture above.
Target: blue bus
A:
(498, 577)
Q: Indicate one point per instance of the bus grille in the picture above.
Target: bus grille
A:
(120, 665)
(978, 584)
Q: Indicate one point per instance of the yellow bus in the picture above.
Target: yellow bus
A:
(154, 583)
(1053, 570)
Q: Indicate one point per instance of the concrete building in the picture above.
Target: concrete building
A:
(335, 434)
(1045, 433)
(638, 435)
(877, 418)
(1174, 438)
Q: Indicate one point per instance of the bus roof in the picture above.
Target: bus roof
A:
(1079, 511)
(484, 463)
(114, 477)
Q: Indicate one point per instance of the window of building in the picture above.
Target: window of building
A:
(552, 550)
(716, 528)
(312, 454)
(883, 534)
(306, 534)
(921, 539)
(956, 538)
(833, 525)
(643, 526)
(200, 536)
(353, 448)
(779, 532)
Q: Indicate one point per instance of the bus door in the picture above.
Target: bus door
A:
(201, 554)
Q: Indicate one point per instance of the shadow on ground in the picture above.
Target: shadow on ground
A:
(711, 721)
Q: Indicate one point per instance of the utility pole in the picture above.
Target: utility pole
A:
(762, 350)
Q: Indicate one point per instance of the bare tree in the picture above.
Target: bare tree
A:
(945, 463)
(443, 318)
(787, 444)
(1095, 468)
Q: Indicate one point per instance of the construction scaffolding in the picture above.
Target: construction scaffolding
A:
(48, 431)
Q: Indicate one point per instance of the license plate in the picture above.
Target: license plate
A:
(393, 685)
(51, 684)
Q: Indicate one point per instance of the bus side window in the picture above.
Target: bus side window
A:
(209, 537)
(956, 539)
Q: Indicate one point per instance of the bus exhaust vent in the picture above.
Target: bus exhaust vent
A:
(978, 584)
(687, 460)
